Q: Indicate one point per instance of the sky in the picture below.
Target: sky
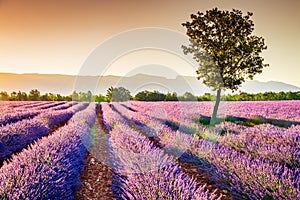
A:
(58, 36)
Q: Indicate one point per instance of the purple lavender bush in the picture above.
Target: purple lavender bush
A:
(49, 168)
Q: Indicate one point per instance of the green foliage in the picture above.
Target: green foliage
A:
(210, 136)
(171, 96)
(203, 120)
(34, 95)
(223, 45)
(158, 96)
(4, 96)
(264, 96)
(152, 96)
(93, 135)
(227, 52)
(268, 197)
(257, 120)
(187, 96)
(205, 97)
(99, 98)
(118, 94)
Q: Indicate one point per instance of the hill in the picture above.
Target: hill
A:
(65, 84)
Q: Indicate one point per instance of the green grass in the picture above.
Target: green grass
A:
(257, 120)
(93, 134)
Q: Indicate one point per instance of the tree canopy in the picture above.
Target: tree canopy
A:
(223, 45)
(152, 96)
(225, 48)
(118, 94)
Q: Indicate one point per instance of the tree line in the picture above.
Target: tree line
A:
(118, 94)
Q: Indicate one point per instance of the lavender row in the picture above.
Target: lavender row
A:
(253, 177)
(34, 104)
(14, 115)
(51, 105)
(109, 116)
(16, 136)
(268, 142)
(149, 170)
(174, 142)
(18, 104)
(145, 172)
(275, 111)
(233, 167)
(64, 106)
(50, 168)
(54, 117)
(263, 141)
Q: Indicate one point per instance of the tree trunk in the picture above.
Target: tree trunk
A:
(214, 115)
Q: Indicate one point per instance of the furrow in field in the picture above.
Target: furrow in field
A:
(96, 177)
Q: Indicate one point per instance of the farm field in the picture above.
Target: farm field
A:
(149, 150)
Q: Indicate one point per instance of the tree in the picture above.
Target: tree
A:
(141, 96)
(89, 96)
(13, 96)
(24, 96)
(171, 96)
(156, 96)
(45, 97)
(59, 97)
(75, 96)
(34, 95)
(99, 98)
(227, 52)
(187, 96)
(21, 96)
(4, 96)
(118, 94)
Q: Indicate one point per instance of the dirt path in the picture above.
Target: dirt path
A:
(96, 177)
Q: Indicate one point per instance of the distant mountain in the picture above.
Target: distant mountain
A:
(65, 84)
(274, 86)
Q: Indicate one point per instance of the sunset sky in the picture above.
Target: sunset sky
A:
(57, 36)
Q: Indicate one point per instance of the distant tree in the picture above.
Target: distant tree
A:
(13, 96)
(227, 52)
(44, 97)
(187, 96)
(75, 96)
(24, 96)
(21, 96)
(4, 96)
(141, 96)
(52, 97)
(82, 96)
(89, 96)
(59, 97)
(118, 94)
(109, 93)
(171, 96)
(99, 98)
(205, 97)
(34, 95)
(156, 96)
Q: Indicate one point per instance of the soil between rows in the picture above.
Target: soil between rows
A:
(96, 178)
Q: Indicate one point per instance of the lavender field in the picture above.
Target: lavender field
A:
(149, 150)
